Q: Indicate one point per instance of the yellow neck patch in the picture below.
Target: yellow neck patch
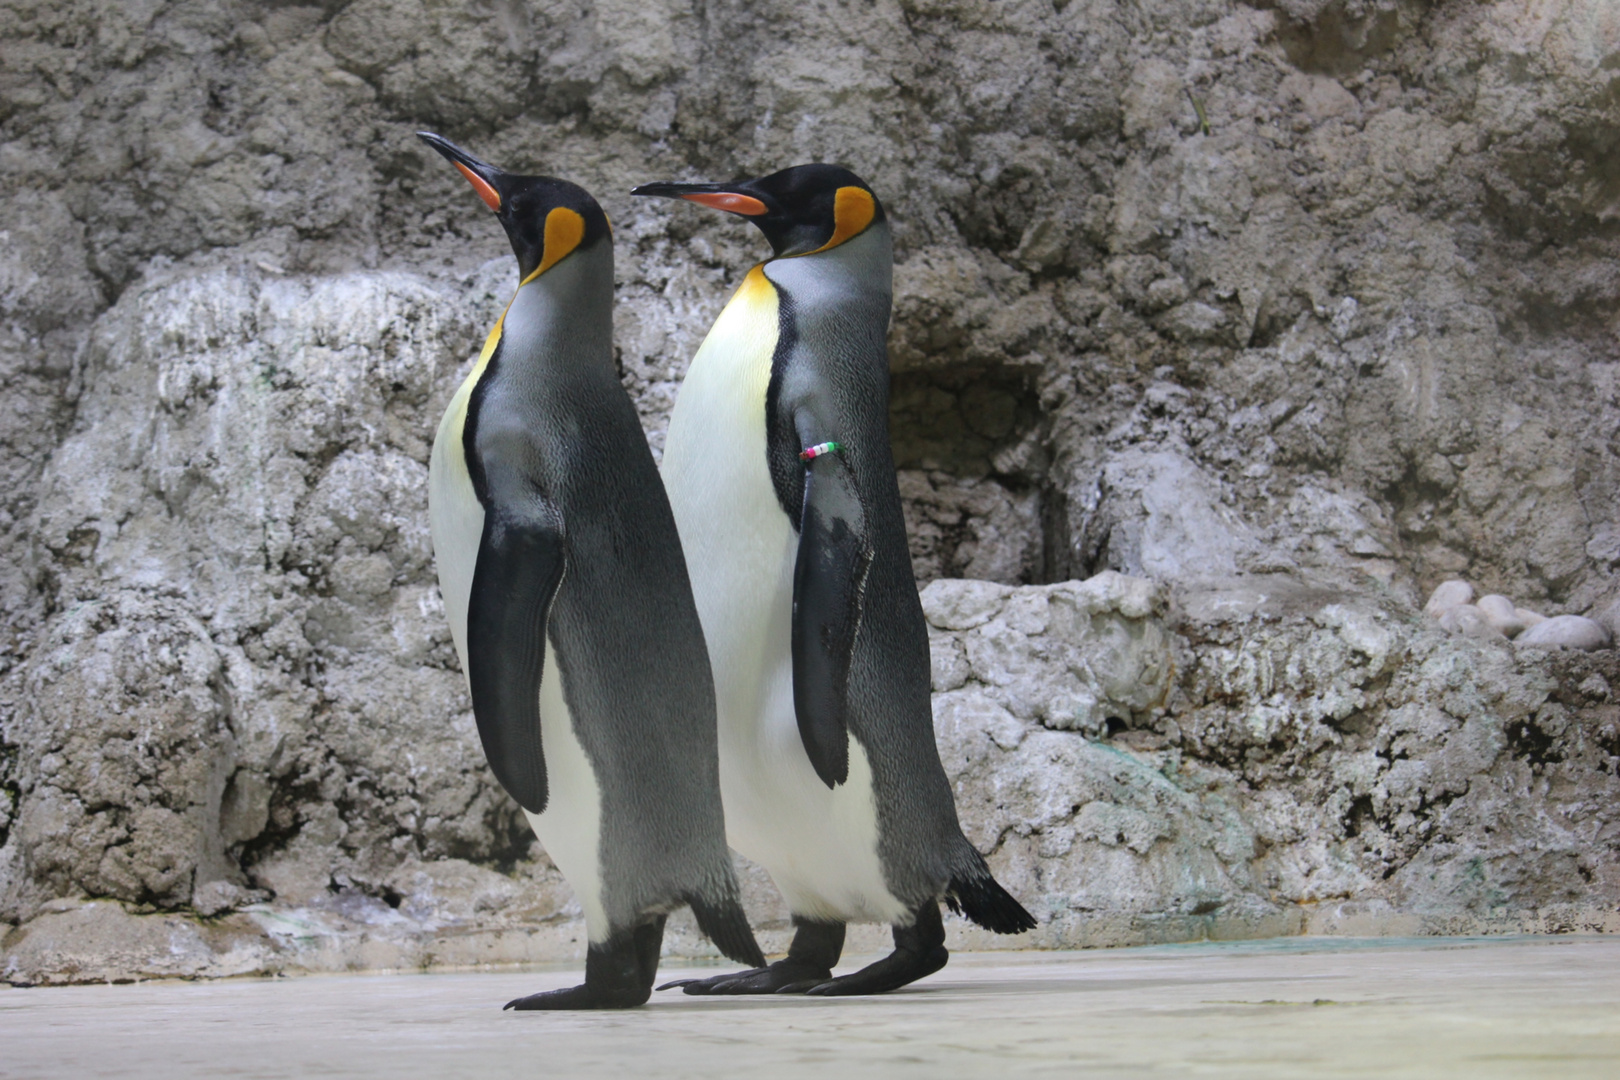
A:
(853, 211)
(564, 230)
(756, 288)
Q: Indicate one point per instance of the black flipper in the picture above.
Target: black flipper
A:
(520, 564)
(727, 926)
(829, 583)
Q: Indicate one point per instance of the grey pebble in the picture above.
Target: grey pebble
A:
(1528, 617)
(1469, 621)
(1448, 595)
(1500, 613)
(1566, 632)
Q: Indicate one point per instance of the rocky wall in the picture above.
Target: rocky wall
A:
(1140, 765)
(1289, 311)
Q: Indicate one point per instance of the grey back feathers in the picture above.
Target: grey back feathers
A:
(830, 381)
(831, 372)
(550, 428)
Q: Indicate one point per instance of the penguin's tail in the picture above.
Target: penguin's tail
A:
(727, 926)
(981, 898)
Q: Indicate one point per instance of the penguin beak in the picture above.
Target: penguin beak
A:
(714, 196)
(480, 174)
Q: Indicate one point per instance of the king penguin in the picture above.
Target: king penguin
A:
(551, 527)
(778, 467)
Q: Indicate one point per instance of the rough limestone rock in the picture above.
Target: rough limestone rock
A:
(1609, 619)
(203, 706)
(1071, 656)
(1284, 313)
(1316, 761)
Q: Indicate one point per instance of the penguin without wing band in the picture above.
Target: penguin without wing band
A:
(778, 468)
(570, 605)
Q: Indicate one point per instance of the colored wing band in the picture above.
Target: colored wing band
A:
(810, 454)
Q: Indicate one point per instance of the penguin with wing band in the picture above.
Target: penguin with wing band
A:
(778, 468)
(551, 528)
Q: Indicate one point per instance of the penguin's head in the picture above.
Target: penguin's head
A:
(545, 218)
(802, 210)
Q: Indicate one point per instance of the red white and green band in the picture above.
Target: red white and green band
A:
(810, 453)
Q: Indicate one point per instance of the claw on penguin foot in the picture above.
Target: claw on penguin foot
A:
(773, 979)
(714, 980)
(618, 974)
(800, 987)
(898, 969)
(919, 950)
(577, 997)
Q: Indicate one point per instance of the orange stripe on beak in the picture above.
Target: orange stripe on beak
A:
(730, 201)
(480, 185)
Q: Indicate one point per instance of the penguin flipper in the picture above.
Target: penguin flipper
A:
(829, 584)
(520, 564)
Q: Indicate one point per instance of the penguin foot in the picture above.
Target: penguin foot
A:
(919, 950)
(816, 947)
(579, 997)
(892, 972)
(618, 974)
(774, 978)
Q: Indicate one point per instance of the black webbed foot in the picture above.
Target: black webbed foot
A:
(919, 950)
(618, 974)
(816, 947)
(578, 997)
(770, 979)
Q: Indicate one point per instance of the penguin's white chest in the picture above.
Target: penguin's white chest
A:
(819, 845)
(570, 827)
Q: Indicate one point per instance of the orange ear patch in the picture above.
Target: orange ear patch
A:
(565, 228)
(853, 210)
(491, 197)
(729, 201)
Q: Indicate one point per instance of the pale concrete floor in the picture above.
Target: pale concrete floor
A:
(1282, 1008)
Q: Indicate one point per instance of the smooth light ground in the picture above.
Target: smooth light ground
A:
(1298, 1007)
